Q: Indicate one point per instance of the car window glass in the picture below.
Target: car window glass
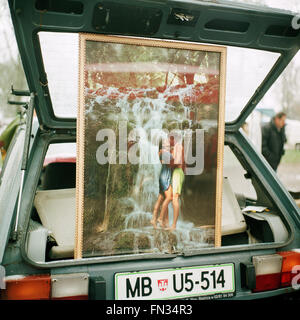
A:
(292, 5)
(246, 69)
(283, 96)
(60, 56)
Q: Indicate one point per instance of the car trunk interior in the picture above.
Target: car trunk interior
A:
(54, 207)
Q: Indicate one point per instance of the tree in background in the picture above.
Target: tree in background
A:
(289, 97)
(287, 86)
(11, 70)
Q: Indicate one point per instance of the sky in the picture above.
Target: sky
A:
(291, 5)
(8, 45)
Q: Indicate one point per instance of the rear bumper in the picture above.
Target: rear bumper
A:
(248, 295)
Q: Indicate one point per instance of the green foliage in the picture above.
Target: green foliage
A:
(291, 156)
(14, 74)
(124, 241)
(105, 53)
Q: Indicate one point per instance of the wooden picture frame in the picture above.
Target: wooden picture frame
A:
(103, 70)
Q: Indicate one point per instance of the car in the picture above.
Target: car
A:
(260, 252)
(293, 129)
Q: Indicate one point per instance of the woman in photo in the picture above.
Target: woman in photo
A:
(165, 185)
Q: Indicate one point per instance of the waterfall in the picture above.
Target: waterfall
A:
(148, 113)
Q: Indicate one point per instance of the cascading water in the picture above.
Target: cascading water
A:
(153, 113)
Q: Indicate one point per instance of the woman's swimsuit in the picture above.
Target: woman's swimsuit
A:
(165, 178)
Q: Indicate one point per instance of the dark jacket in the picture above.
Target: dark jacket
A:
(273, 141)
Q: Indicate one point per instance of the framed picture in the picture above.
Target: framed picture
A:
(150, 138)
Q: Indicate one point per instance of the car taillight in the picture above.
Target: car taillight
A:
(267, 270)
(74, 286)
(290, 259)
(275, 271)
(43, 287)
(35, 287)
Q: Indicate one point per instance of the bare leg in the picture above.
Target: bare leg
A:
(155, 210)
(168, 194)
(164, 208)
(166, 221)
(175, 203)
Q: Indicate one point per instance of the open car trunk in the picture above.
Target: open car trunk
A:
(48, 33)
(257, 212)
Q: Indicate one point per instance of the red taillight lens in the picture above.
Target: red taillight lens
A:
(35, 287)
(275, 271)
(267, 282)
(290, 259)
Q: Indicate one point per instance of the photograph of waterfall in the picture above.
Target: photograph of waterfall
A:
(150, 137)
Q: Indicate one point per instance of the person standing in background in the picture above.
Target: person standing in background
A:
(273, 139)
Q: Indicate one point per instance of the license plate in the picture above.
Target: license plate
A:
(215, 281)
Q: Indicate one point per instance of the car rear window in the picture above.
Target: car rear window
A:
(292, 5)
(246, 69)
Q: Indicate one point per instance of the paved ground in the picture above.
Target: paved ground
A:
(289, 174)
